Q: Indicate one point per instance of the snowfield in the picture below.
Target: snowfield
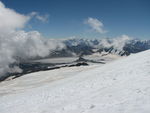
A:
(122, 86)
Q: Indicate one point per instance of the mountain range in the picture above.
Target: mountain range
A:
(120, 46)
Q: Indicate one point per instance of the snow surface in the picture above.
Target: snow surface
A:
(122, 86)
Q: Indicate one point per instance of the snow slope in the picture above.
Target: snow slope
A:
(122, 86)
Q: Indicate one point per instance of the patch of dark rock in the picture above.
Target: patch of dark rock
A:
(81, 59)
(36, 67)
(79, 64)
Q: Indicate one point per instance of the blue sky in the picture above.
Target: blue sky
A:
(67, 17)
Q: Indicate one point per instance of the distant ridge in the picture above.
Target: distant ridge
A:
(122, 47)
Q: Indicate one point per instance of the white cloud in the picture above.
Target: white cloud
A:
(17, 44)
(23, 46)
(118, 43)
(95, 24)
(42, 18)
(11, 20)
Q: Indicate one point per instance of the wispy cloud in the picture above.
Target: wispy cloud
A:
(95, 24)
(42, 18)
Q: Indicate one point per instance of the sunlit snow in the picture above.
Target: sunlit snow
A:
(122, 86)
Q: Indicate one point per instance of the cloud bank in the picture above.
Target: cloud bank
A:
(95, 24)
(16, 44)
